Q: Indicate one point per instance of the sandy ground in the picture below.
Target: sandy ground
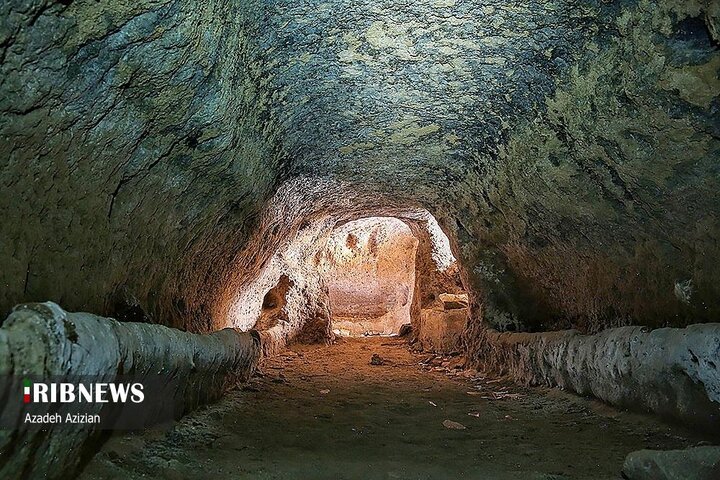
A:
(327, 413)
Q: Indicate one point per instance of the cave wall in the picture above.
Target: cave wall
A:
(278, 262)
(604, 205)
(569, 147)
(135, 157)
(296, 240)
(437, 275)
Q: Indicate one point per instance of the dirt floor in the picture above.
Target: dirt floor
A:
(328, 413)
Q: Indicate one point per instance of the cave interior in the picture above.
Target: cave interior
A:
(368, 239)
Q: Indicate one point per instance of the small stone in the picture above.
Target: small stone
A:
(376, 360)
(453, 425)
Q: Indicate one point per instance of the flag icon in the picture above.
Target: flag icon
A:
(26, 390)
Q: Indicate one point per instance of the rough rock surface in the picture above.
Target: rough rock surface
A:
(442, 325)
(442, 331)
(669, 371)
(700, 463)
(42, 339)
(569, 146)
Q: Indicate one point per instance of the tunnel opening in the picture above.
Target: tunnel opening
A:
(358, 275)
(369, 268)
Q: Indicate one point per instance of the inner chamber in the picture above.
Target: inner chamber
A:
(369, 269)
(374, 275)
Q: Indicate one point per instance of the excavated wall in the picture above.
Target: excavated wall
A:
(369, 269)
(301, 255)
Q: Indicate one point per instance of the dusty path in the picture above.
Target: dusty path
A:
(327, 413)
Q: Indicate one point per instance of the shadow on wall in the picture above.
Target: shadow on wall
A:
(273, 306)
